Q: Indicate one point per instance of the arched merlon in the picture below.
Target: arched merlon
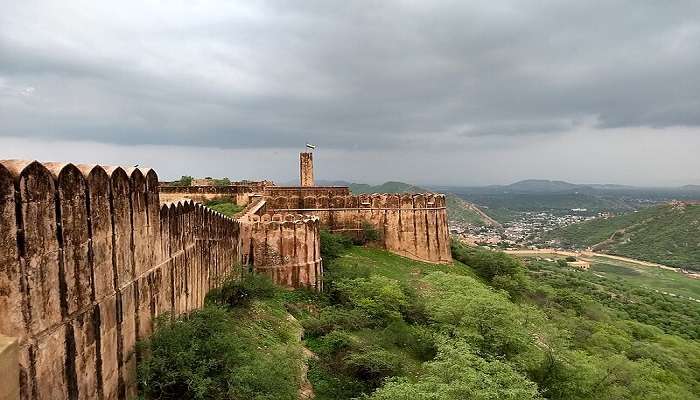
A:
(88, 259)
(284, 247)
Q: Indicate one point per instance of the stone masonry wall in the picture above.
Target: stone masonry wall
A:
(413, 226)
(306, 169)
(276, 191)
(239, 193)
(88, 260)
(284, 247)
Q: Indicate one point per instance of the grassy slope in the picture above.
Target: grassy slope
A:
(257, 340)
(648, 277)
(592, 334)
(377, 262)
(652, 278)
(381, 262)
(463, 211)
(667, 234)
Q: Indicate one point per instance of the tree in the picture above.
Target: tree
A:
(456, 373)
(222, 182)
(184, 181)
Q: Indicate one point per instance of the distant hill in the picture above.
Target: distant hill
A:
(457, 209)
(694, 188)
(668, 234)
(386, 187)
(542, 186)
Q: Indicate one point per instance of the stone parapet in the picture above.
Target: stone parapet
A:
(88, 260)
(411, 225)
(285, 247)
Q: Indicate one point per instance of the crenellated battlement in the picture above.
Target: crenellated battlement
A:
(412, 225)
(285, 247)
(88, 259)
(376, 201)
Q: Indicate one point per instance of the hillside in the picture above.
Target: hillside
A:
(463, 211)
(457, 209)
(668, 234)
(542, 186)
(390, 328)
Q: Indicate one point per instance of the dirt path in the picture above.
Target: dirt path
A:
(306, 390)
(590, 254)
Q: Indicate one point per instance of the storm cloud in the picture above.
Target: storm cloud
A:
(365, 76)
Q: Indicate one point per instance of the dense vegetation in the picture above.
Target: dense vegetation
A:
(225, 206)
(392, 328)
(485, 327)
(667, 234)
(241, 345)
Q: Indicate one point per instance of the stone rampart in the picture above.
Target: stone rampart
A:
(88, 260)
(239, 193)
(284, 247)
(412, 225)
(301, 192)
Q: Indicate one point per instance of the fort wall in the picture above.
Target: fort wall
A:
(301, 192)
(88, 259)
(9, 369)
(239, 193)
(286, 247)
(413, 226)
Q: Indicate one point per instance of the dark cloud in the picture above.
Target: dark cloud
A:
(360, 74)
(441, 91)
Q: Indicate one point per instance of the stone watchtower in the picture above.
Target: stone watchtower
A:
(306, 169)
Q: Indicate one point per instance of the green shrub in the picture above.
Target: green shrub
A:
(206, 356)
(332, 318)
(369, 233)
(457, 374)
(333, 245)
(234, 292)
(496, 268)
(337, 341)
(183, 181)
(372, 365)
(570, 259)
(224, 205)
(380, 298)
(419, 340)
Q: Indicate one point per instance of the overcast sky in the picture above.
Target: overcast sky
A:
(443, 92)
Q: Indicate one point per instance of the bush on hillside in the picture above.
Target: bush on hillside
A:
(205, 356)
(496, 268)
(239, 291)
(333, 245)
(378, 297)
(457, 373)
(372, 365)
